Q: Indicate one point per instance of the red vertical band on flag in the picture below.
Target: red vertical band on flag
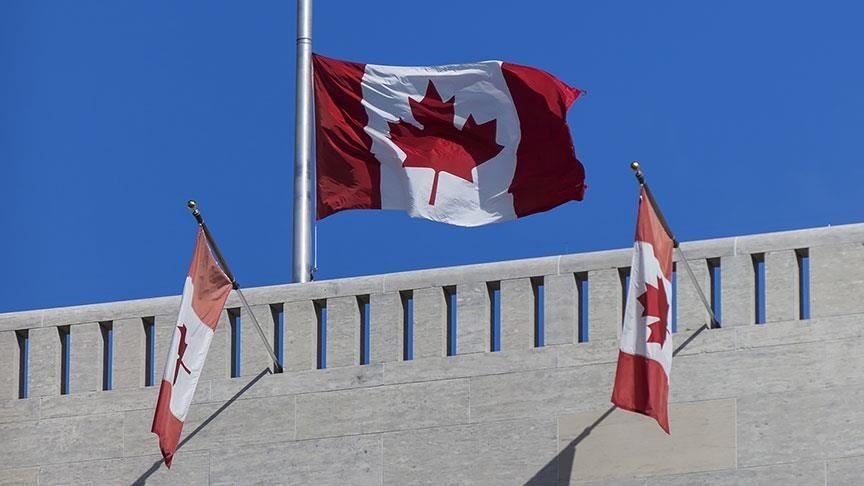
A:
(348, 174)
(166, 425)
(547, 171)
(651, 230)
(641, 386)
(210, 283)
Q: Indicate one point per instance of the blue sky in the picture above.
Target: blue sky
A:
(747, 118)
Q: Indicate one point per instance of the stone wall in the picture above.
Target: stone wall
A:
(752, 403)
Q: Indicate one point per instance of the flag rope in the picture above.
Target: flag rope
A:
(193, 206)
(641, 178)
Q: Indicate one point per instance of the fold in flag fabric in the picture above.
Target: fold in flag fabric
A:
(464, 144)
(204, 294)
(645, 350)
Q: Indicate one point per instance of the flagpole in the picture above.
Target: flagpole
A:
(302, 270)
(641, 178)
(193, 206)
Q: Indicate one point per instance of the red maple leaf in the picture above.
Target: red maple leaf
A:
(655, 303)
(439, 145)
(181, 350)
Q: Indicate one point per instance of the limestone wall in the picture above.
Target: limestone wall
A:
(524, 399)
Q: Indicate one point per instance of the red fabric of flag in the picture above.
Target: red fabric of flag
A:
(204, 294)
(645, 348)
(464, 144)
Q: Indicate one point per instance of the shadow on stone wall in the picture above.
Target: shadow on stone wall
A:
(156, 465)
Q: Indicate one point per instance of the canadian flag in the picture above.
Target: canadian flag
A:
(204, 294)
(464, 144)
(645, 350)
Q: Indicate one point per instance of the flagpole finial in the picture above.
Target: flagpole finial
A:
(633, 165)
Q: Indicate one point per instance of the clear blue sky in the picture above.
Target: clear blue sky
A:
(747, 116)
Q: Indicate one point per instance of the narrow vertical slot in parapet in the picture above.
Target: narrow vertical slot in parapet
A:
(234, 319)
(407, 297)
(494, 290)
(365, 330)
(106, 329)
(23, 338)
(539, 291)
(450, 304)
(582, 317)
(715, 276)
(759, 286)
(624, 277)
(321, 318)
(65, 358)
(803, 257)
(277, 312)
(149, 350)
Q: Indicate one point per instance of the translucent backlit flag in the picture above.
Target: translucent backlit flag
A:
(464, 144)
(645, 350)
(204, 294)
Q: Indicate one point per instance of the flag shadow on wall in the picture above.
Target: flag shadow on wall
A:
(158, 464)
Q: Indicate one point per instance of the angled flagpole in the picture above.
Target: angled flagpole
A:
(302, 269)
(193, 206)
(641, 178)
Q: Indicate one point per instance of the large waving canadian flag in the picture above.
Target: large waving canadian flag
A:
(204, 294)
(645, 350)
(464, 144)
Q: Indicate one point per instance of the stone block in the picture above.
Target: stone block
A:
(803, 474)
(194, 468)
(20, 476)
(845, 471)
(19, 410)
(737, 291)
(10, 363)
(782, 295)
(517, 314)
(296, 382)
(430, 323)
(787, 369)
(86, 357)
(129, 363)
(343, 331)
(541, 393)
(465, 365)
(836, 280)
(63, 440)
(561, 309)
(43, 369)
(384, 408)
(114, 401)
(801, 426)
(605, 303)
(229, 424)
(254, 355)
(595, 446)
(510, 452)
(301, 336)
(691, 312)
(386, 327)
(473, 318)
(354, 460)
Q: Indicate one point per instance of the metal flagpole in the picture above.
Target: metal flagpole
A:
(193, 206)
(641, 178)
(302, 268)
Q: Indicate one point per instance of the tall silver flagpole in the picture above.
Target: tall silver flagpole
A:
(302, 267)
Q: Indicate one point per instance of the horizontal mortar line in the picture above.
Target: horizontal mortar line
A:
(793, 343)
